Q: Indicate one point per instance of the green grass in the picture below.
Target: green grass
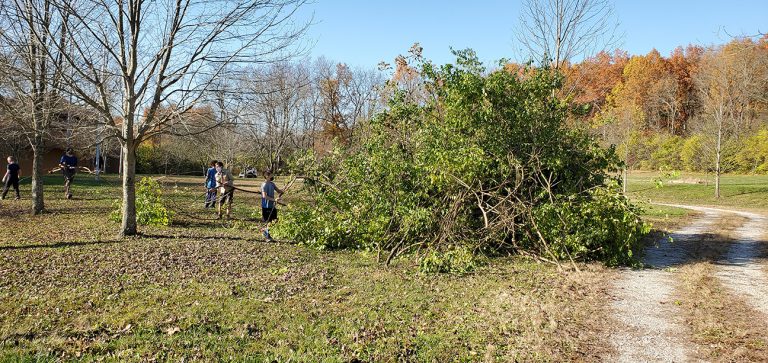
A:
(662, 217)
(207, 290)
(738, 191)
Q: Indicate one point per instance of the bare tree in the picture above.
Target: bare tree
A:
(664, 103)
(731, 83)
(273, 110)
(618, 128)
(562, 29)
(131, 58)
(31, 68)
(348, 96)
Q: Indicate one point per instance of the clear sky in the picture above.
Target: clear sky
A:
(363, 33)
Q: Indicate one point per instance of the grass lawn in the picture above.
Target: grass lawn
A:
(738, 191)
(203, 290)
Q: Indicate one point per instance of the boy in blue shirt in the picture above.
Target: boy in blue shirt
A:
(210, 185)
(269, 203)
(68, 164)
(11, 178)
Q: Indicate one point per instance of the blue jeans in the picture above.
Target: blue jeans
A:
(210, 198)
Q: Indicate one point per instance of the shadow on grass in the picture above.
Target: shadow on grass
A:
(198, 237)
(58, 245)
(743, 192)
(79, 210)
(641, 190)
(692, 248)
(188, 236)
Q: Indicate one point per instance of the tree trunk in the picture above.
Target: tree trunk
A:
(626, 174)
(128, 226)
(717, 160)
(38, 203)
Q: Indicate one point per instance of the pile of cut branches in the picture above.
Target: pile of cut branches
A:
(474, 163)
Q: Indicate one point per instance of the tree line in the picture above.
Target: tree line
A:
(278, 109)
(699, 109)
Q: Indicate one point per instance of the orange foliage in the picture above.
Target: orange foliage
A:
(684, 65)
(590, 81)
(660, 92)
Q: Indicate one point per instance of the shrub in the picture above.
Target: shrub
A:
(753, 156)
(150, 210)
(164, 159)
(457, 261)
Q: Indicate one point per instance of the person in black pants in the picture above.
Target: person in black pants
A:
(68, 164)
(11, 178)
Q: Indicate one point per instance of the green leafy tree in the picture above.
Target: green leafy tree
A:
(693, 154)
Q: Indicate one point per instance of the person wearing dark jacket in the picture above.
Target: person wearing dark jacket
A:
(68, 164)
(11, 178)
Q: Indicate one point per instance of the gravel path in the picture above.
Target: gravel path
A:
(741, 269)
(650, 328)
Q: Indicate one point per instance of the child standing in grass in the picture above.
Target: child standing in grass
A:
(269, 203)
(11, 178)
(210, 185)
(226, 184)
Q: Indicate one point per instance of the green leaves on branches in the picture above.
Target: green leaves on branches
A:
(150, 210)
(469, 163)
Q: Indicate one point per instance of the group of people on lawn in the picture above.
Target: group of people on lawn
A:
(219, 185)
(67, 164)
(220, 189)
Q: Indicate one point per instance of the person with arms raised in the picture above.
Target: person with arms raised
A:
(68, 164)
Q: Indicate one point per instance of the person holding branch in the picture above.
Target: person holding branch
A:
(226, 184)
(269, 203)
(68, 164)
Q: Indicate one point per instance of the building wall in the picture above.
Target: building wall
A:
(51, 161)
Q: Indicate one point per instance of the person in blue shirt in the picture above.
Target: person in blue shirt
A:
(210, 185)
(68, 164)
(269, 203)
(11, 178)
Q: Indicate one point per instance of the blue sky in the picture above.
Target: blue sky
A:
(363, 33)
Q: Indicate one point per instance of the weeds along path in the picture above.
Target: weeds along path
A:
(650, 327)
(741, 269)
